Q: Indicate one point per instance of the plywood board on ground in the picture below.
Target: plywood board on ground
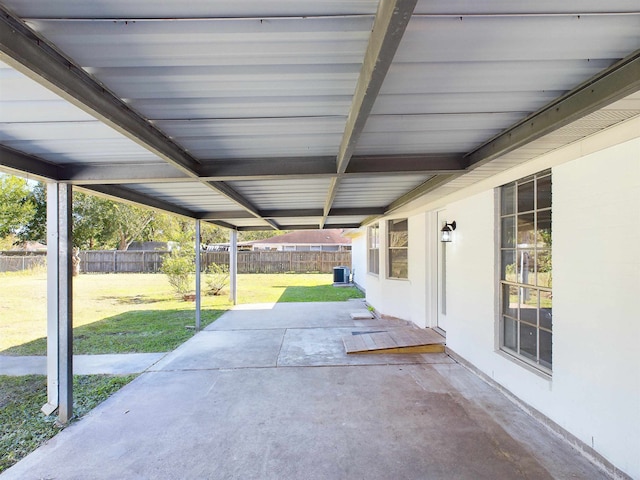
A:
(395, 340)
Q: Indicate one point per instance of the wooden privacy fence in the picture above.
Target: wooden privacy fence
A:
(150, 261)
(18, 263)
(281, 262)
(110, 261)
(119, 261)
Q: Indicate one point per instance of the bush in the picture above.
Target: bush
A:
(179, 268)
(217, 278)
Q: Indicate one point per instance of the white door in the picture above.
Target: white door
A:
(442, 274)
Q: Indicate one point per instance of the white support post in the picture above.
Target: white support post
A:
(233, 267)
(59, 302)
(198, 275)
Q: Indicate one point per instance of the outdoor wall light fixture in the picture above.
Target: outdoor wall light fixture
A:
(446, 234)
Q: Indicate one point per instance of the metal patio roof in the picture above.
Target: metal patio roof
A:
(256, 114)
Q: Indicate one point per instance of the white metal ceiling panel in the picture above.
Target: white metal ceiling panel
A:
(490, 76)
(117, 9)
(195, 42)
(267, 137)
(249, 222)
(346, 219)
(457, 64)
(509, 7)
(518, 38)
(281, 64)
(223, 81)
(310, 222)
(284, 194)
(388, 143)
(375, 192)
(242, 107)
(248, 78)
(461, 102)
(36, 121)
(190, 195)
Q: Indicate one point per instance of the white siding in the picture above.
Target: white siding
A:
(359, 257)
(594, 392)
(596, 385)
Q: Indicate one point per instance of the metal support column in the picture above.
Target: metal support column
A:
(59, 302)
(198, 274)
(233, 267)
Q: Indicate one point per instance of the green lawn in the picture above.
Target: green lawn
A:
(23, 427)
(113, 313)
(137, 312)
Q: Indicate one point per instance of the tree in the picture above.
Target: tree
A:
(36, 228)
(16, 204)
(94, 221)
(131, 223)
(259, 235)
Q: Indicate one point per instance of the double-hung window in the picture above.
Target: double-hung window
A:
(373, 249)
(525, 280)
(398, 248)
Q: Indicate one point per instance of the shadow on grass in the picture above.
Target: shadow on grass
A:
(138, 331)
(136, 300)
(319, 293)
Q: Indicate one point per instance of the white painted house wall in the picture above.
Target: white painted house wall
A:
(594, 392)
(359, 258)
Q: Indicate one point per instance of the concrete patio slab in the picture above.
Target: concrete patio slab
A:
(116, 364)
(290, 315)
(202, 415)
(324, 346)
(226, 349)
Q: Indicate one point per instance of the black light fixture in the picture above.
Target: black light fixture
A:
(446, 234)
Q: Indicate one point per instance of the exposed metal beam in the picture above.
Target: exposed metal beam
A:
(331, 196)
(121, 193)
(345, 212)
(240, 200)
(253, 169)
(389, 25)
(268, 168)
(402, 164)
(290, 213)
(225, 225)
(224, 215)
(26, 51)
(614, 83)
(392, 18)
(426, 187)
(123, 173)
(31, 54)
(300, 227)
(21, 163)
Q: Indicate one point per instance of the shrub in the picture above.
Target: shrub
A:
(217, 278)
(179, 268)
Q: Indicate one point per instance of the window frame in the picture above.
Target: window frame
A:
(392, 248)
(373, 249)
(524, 246)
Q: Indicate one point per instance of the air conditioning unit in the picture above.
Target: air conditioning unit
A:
(340, 275)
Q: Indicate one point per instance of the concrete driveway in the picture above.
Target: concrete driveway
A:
(267, 392)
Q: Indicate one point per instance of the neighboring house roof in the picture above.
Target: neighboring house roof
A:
(30, 246)
(307, 237)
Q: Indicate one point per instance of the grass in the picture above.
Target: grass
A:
(23, 427)
(127, 313)
(113, 314)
